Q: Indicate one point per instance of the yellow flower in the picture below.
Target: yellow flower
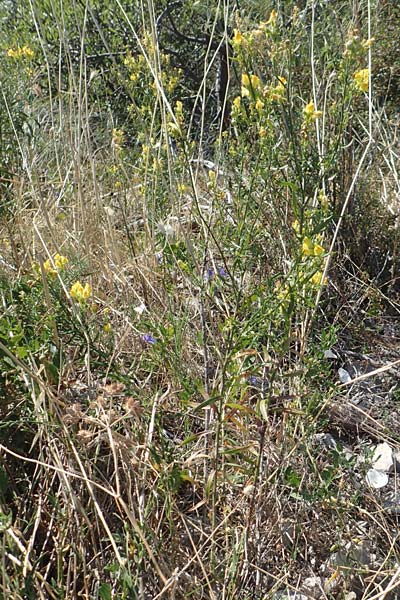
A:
(19, 52)
(47, 266)
(237, 102)
(262, 132)
(272, 18)
(212, 176)
(367, 43)
(178, 107)
(277, 92)
(251, 82)
(255, 82)
(259, 104)
(245, 80)
(174, 129)
(311, 249)
(245, 85)
(238, 39)
(309, 109)
(80, 293)
(283, 295)
(296, 226)
(323, 200)
(361, 79)
(117, 138)
(28, 52)
(60, 261)
(316, 279)
(310, 113)
(318, 250)
(308, 247)
(107, 327)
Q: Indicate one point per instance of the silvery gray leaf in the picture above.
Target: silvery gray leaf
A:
(344, 376)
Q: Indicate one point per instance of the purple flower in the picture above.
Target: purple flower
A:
(149, 339)
(210, 273)
(222, 272)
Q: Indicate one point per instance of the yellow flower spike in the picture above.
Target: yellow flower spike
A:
(117, 138)
(272, 18)
(80, 293)
(307, 247)
(87, 291)
(259, 104)
(107, 327)
(255, 82)
(212, 176)
(60, 261)
(361, 79)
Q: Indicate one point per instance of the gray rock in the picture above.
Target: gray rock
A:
(344, 376)
(391, 503)
(327, 440)
(396, 458)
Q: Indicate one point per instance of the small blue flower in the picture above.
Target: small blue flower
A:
(149, 339)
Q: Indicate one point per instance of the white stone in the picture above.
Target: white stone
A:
(382, 459)
(377, 479)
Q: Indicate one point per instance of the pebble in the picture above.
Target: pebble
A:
(377, 479)
(382, 459)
